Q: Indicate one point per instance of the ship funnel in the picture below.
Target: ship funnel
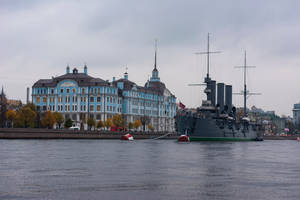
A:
(228, 97)
(220, 97)
(212, 87)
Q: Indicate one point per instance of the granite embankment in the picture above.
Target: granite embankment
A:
(28, 133)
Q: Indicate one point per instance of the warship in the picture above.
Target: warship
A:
(218, 121)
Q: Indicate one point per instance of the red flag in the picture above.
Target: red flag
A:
(181, 105)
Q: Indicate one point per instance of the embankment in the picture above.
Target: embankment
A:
(28, 133)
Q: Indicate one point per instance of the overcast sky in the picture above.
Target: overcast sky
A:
(39, 38)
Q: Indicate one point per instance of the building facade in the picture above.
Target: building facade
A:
(78, 96)
(296, 115)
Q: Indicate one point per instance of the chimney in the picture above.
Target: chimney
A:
(114, 79)
(228, 97)
(212, 87)
(220, 97)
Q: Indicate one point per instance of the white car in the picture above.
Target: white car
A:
(74, 128)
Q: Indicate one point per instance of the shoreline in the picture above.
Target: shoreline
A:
(32, 133)
(35, 133)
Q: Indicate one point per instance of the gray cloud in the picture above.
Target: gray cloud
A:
(39, 38)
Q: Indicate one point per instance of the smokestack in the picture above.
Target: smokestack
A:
(220, 97)
(228, 97)
(27, 97)
(213, 92)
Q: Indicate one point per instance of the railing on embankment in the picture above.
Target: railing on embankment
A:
(33, 133)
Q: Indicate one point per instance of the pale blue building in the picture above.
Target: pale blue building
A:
(78, 95)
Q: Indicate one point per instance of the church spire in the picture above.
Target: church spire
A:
(155, 55)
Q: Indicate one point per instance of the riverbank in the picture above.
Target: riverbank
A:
(33, 133)
(28, 133)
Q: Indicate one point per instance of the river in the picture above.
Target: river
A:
(148, 169)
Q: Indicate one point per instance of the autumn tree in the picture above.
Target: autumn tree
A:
(91, 122)
(25, 117)
(150, 127)
(59, 119)
(130, 125)
(48, 119)
(108, 123)
(137, 123)
(11, 116)
(100, 124)
(118, 121)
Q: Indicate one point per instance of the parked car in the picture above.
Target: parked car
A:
(74, 128)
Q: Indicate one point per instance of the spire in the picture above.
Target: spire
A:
(155, 77)
(155, 55)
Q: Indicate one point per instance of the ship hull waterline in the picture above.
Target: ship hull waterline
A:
(221, 139)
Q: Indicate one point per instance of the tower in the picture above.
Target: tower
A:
(155, 77)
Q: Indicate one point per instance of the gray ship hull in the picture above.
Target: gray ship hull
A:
(213, 129)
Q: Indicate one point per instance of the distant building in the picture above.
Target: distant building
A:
(79, 95)
(296, 115)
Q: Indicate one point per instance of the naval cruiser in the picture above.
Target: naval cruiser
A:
(218, 121)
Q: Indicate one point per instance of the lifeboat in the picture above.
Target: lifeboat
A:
(183, 138)
(127, 137)
(298, 138)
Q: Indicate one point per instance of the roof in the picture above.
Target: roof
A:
(82, 79)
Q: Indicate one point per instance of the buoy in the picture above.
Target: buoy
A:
(127, 137)
(183, 138)
(298, 138)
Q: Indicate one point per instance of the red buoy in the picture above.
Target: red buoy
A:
(183, 138)
(127, 137)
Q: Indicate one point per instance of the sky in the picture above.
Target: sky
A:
(39, 38)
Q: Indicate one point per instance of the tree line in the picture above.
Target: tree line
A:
(28, 117)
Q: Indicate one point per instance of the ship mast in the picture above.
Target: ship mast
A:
(207, 80)
(208, 52)
(245, 93)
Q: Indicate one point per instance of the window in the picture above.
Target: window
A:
(61, 90)
(82, 91)
(44, 99)
(91, 99)
(98, 107)
(38, 99)
(98, 116)
(68, 90)
(91, 108)
(107, 99)
(52, 91)
(98, 99)
(44, 108)
(74, 90)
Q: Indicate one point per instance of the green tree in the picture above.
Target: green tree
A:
(137, 123)
(100, 124)
(25, 118)
(11, 116)
(59, 119)
(108, 123)
(91, 122)
(48, 119)
(68, 123)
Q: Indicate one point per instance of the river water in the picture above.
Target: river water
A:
(148, 169)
